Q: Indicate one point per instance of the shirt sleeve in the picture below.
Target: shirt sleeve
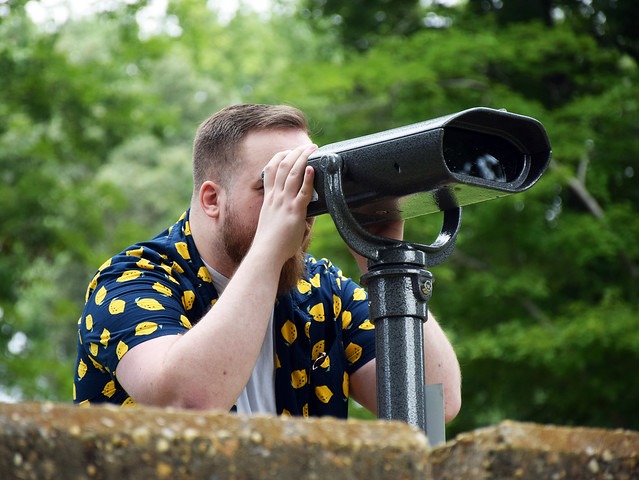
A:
(128, 308)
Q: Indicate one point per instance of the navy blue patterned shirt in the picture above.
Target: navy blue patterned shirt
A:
(162, 287)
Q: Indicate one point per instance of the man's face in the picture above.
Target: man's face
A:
(246, 194)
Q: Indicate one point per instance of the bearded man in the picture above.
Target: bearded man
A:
(226, 309)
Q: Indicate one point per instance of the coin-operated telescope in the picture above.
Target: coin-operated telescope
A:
(438, 165)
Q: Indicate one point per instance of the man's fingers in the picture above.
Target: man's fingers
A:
(307, 186)
(286, 169)
(296, 175)
(269, 174)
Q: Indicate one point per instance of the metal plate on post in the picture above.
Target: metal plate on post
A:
(435, 420)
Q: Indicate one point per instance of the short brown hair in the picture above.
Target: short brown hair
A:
(218, 137)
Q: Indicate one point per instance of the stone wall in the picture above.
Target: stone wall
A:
(526, 451)
(60, 441)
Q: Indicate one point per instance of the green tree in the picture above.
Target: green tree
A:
(361, 23)
(65, 106)
(611, 22)
(41, 182)
(539, 296)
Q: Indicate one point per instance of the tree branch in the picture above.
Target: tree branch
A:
(577, 185)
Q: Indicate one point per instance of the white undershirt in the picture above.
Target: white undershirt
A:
(258, 395)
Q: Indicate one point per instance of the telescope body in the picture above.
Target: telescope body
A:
(467, 157)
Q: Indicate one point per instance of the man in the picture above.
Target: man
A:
(225, 310)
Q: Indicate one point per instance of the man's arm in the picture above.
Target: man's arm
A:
(440, 360)
(208, 366)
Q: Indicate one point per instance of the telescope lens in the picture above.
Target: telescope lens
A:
(482, 155)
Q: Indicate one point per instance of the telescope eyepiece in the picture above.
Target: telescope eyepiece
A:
(484, 156)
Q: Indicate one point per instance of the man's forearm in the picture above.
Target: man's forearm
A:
(207, 367)
(441, 366)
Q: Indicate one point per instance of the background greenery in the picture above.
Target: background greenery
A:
(97, 116)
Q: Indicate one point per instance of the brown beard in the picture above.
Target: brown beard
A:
(237, 240)
(294, 268)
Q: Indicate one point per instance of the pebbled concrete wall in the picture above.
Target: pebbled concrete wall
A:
(525, 451)
(60, 441)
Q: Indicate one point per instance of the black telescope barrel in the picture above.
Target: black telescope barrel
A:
(467, 157)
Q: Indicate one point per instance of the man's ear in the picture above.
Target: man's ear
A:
(211, 196)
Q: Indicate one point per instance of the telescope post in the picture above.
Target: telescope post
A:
(399, 289)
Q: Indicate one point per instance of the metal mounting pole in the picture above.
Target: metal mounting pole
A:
(399, 289)
(397, 307)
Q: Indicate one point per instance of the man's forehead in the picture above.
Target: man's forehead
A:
(273, 140)
(258, 147)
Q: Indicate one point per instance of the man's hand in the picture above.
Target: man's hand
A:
(288, 189)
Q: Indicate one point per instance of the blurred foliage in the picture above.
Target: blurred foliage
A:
(540, 298)
(360, 23)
